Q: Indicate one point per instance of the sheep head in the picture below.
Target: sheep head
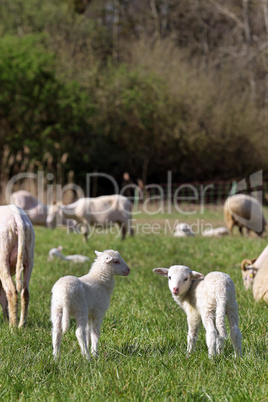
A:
(180, 278)
(248, 273)
(114, 260)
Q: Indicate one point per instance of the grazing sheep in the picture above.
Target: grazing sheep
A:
(244, 211)
(38, 213)
(255, 275)
(248, 273)
(217, 232)
(260, 285)
(209, 299)
(183, 230)
(76, 258)
(102, 211)
(86, 299)
(17, 240)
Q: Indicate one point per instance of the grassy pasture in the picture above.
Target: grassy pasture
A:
(142, 349)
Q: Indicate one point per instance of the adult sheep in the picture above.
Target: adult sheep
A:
(38, 213)
(248, 272)
(255, 276)
(260, 285)
(102, 211)
(244, 211)
(17, 241)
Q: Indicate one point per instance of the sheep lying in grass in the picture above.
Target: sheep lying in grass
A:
(86, 299)
(216, 232)
(209, 299)
(57, 253)
(183, 230)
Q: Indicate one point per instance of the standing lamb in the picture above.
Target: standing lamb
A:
(244, 211)
(17, 241)
(102, 211)
(86, 299)
(209, 299)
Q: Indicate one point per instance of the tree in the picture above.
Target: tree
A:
(36, 108)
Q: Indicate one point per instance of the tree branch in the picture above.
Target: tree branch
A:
(227, 13)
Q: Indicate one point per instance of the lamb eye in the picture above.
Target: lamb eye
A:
(169, 277)
(185, 279)
(117, 262)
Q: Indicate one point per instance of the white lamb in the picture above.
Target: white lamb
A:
(183, 230)
(86, 299)
(207, 298)
(57, 252)
(216, 232)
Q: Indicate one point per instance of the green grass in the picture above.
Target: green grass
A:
(142, 349)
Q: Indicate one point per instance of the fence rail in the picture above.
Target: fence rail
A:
(208, 192)
(213, 192)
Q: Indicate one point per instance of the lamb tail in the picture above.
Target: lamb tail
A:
(21, 251)
(65, 320)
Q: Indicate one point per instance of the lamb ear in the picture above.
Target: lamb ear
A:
(59, 248)
(98, 253)
(196, 275)
(161, 271)
(108, 258)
